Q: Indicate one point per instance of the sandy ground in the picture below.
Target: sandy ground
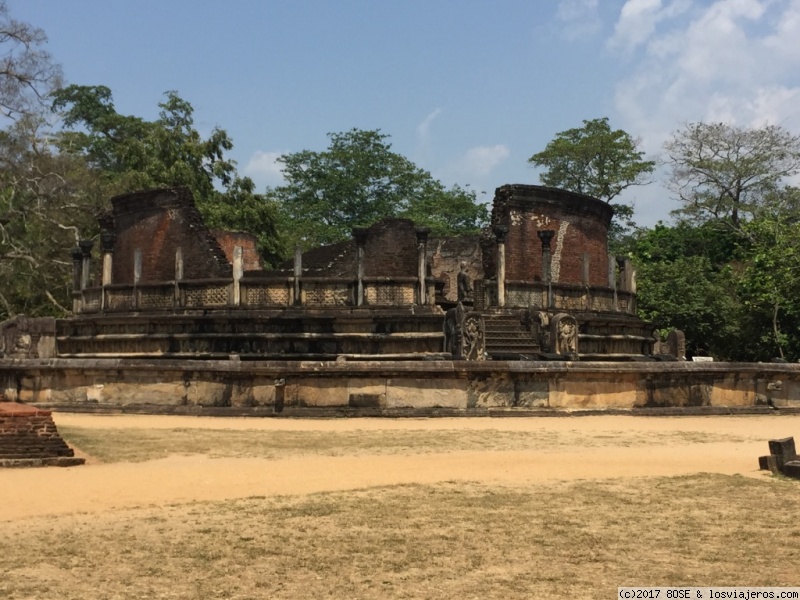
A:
(101, 487)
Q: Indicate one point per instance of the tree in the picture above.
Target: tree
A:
(595, 160)
(131, 153)
(685, 280)
(27, 72)
(357, 181)
(42, 213)
(769, 282)
(724, 173)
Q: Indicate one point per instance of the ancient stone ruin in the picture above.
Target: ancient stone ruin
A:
(538, 285)
(29, 438)
(782, 458)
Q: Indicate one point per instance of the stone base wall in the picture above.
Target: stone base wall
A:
(28, 437)
(460, 386)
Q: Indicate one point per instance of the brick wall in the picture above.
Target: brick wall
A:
(580, 224)
(391, 249)
(29, 433)
(158, 222)
(228, 240)
(445, 256)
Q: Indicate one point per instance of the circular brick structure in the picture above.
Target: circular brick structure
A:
(579, 244)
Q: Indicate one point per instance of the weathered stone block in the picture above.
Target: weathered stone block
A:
(768, 463)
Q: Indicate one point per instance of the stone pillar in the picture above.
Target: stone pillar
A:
(628, 282)
(298, 273)
(422, 249)
(586, 280)
(77, 276)
(360, 236)
(77, 269)
(107, 248)
(107, 240)
(500, 233)
(546, 236)
(612, 278)
(86, 266)
(137, 265)
(176, 299)
(238, 271)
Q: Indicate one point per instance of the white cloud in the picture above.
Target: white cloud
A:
(735, 61)
(264, 168)
(638, 20)
(578, 17)
(424, 128)
(474, 166)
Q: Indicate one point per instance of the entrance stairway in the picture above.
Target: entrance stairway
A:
(508, 339)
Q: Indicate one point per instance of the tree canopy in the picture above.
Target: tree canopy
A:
(359, 180)
(593, 160)
(725, 172)
(131, 153)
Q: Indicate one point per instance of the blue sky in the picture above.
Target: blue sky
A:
(468, 90)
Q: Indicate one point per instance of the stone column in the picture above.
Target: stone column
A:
(107, 248)
(77, 269)
(137, 265)
(86, 266)
(176, 299)
(500, 233)
(422, 249)
(298, 273)
(586, 279)
(612, 278)
(107, 240)
(238, 271)
(360, 236)
(77, 277)
(546, 236)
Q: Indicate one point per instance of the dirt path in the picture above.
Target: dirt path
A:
(100, 487)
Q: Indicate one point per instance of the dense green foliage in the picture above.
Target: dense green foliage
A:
(357, 181)
(595, 160)
(129, 153)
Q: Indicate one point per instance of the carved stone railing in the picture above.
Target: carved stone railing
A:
(251, 292)
(557, 296)
(464, 334)
(394, 291)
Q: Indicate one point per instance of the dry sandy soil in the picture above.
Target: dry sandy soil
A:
(484, 508)
(664, 447)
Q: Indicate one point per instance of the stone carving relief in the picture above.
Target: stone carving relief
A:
(22, 337)
(673, 344)
(537, 322)
(564, 334)
(464, 334)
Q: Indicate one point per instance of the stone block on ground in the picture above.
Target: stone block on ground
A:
(792, 469)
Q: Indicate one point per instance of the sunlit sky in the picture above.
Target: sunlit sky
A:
(466, 89)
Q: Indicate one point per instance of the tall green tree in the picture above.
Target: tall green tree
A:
(128, 152)
(595, 160)
(724, 173)
(686, 280)
(42, 213)
(359, 180)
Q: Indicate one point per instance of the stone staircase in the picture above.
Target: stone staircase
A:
(506, 338)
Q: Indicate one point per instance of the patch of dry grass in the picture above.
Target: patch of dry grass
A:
(567, 540)
(134, 445)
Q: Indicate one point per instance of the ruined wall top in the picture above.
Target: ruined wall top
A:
(156, 223)
(530, 196)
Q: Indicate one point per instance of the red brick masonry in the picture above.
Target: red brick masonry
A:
(29, 438)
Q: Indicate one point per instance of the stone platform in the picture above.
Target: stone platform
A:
(398, 388)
